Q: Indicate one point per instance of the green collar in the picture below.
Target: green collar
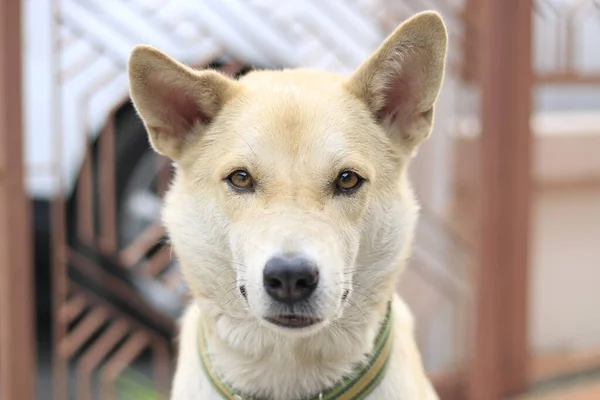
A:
(355, 386)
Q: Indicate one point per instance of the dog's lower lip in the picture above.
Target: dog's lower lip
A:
(293, 321)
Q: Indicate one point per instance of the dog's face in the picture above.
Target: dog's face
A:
(290, 202)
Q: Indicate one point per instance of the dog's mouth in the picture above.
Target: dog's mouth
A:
(293, 321)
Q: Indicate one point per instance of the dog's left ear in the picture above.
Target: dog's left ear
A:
(401, 80)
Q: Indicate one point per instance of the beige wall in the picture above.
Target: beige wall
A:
(565, 275)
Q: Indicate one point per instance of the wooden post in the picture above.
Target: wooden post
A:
(17, 344)
(505, 75)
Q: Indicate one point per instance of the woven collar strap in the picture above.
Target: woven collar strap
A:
(356, 386)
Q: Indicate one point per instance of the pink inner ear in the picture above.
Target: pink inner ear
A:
(174, 104)
(402, 97)
(397, 102)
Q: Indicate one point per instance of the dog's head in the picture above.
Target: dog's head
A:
(290, 203)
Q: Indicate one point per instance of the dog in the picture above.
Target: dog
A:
(292, 216)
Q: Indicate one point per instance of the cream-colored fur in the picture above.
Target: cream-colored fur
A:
(294, 131)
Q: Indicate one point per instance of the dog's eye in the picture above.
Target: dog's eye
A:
(348, 181)
(240, 180)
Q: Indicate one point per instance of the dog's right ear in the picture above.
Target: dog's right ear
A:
(175, 101)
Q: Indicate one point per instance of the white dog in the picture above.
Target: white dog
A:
(292, 218)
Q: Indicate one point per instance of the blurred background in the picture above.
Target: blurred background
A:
(505, 275)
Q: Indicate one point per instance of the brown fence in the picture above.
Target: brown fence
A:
(468, 278)
(17, 347)
(558, 59)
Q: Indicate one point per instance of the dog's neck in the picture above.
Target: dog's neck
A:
(269, 364)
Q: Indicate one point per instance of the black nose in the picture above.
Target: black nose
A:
(290, 279)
